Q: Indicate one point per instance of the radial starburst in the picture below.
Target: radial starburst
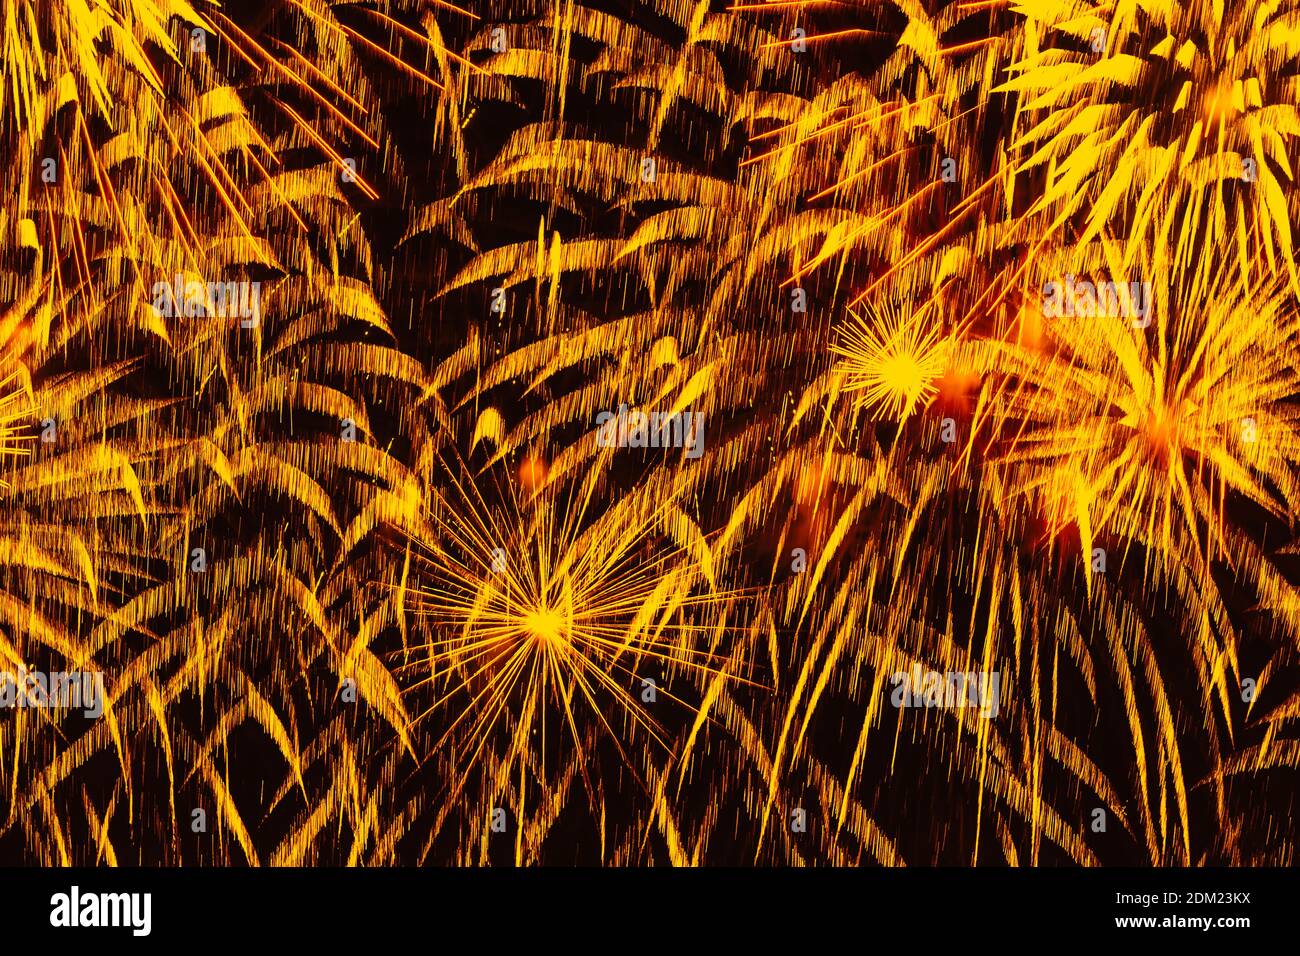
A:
(890, 361)
(554, 614)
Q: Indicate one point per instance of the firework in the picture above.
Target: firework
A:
(967, 332)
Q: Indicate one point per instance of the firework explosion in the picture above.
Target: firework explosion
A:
(531, 431)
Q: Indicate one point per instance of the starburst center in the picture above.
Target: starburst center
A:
(545, 625)
(1160, 428)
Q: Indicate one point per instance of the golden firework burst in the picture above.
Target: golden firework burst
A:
(488, 230)
(1143, 437)
(891, 361)
(556, 610)
(1170, 119)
